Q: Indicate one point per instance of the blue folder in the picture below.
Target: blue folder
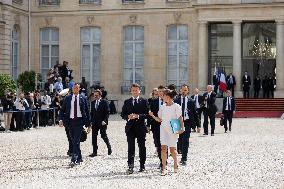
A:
(175, 125)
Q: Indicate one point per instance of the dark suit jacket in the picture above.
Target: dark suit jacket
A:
(141, 109)
(246, 82)
(212, 108)
(101, 114)
(229, 84)
(200, 100)
(154, 107)
(66, 108)
(192, 115)
(233, 104)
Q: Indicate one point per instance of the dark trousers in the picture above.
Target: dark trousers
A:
(76, 128)
(20, 116)
(233, 91)
(28, 120)
(133, 133)
(156, 136)
(68, 134)
(228, 116)
(184, 140)
(272, 93)
(95, 130)
(44, 116)
(211, 117)
(246, 93)
(198, 119)
(13, 120)
(256, 93)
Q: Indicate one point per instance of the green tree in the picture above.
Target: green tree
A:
(26, 81)
(7, 84)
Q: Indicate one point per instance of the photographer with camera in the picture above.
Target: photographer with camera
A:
(21, 105)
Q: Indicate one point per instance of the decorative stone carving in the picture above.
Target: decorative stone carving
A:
(133, 19)
(177, 16)
(90, 19)
(48, 21)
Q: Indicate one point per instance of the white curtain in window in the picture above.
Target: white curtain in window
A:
(91, 54)
(177, 68)
(133, 55)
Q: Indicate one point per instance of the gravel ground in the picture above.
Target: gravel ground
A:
(252, 156)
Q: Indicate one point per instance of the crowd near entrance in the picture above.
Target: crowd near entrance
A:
(258, 55)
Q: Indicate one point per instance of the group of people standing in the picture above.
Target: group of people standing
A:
(142, 116)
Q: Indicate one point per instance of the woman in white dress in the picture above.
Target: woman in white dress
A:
(168, 111)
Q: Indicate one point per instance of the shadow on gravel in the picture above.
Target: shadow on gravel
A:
(118, 175)
(39, 158)
(37, 169)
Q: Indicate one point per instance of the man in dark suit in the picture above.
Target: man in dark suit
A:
(216, 81)
(209, 110)
(75, 114)
(246, 82)
(271, 85)
(256, 86)
(189, 115)
(198, 101)
(99, 118)
(155, 105)
(229, 107)
(135, 111)
(231, 82)
(265, 86)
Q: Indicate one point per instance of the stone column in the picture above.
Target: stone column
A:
(237, 56)
(279, 59)
(203, 56)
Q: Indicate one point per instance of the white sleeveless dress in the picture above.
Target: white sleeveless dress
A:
(166, 113)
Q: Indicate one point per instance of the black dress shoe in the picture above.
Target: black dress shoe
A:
(69, 154)
(93, 155)
(142, 168)
(212, 134)
(205, 134)
(183, 163)
(72, 164)
(109, 151)
(129, 171)
(225, 131)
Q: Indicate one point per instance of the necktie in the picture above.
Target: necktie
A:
(135, 102)
(229, 104)
(183, 106)
(75, 107)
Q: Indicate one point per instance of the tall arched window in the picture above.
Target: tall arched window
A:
(15, 52)
(177, 69)
(133, 51)
(91, 54)
(49, 49)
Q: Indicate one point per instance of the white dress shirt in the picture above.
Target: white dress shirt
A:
(46, 102)
(133, 100)
(196, 101)
(229, 102)
(79, 114)
(160, 102)
(19, 103)
(185, 107)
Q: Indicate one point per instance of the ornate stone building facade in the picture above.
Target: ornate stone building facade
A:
(151, 42)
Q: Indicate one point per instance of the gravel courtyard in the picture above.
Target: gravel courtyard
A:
(252, 156)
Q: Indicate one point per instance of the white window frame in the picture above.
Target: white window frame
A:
(50, 44)
(177, 41)
(91, 44)
(133, 42)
